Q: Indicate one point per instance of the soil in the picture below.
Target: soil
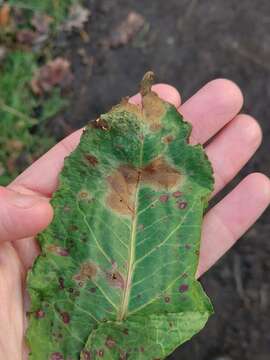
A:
(187, 43)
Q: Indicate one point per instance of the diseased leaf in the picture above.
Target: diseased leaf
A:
(78, 16)
(116, 277)
(126, 31)
(55, 73)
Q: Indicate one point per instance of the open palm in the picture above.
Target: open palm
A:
(25, 208)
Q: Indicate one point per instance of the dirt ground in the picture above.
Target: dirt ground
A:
(187, 43)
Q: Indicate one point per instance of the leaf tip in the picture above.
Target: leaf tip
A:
(147, 82)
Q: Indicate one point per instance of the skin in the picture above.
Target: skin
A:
(25, 209)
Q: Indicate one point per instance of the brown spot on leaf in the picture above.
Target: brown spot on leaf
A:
(93, 290)
(73, 227)
(164, 198)
(65, 317)
(115, 279)
(142, 349)
(86, 355)
(125, 331)
(183, 288)
(124, 181)
(154, 110)
(100, 124)
(91, 159)
(100, 353)
(122, 189)
(167, 299)
(110, 343)
(87, 271)
(56, 356)
(57, 250)
(167, 139)
(159, 174)
(188, 246)
(182, 204)
(40, 314)
(177, 194)
(61, 283)
(84, 195)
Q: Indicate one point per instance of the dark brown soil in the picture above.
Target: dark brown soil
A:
(188, 43)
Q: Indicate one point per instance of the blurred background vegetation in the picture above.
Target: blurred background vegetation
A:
(32, 85)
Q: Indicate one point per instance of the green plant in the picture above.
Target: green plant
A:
(22, 115)
(116, 277)
(58, 9)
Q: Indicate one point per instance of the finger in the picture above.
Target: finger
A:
(28, 249)
(211, 108)
(42, 176)
(230, 150)
(11, 309)
(22, 215)
(230, 218)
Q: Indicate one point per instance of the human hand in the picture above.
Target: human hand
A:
(25, 208)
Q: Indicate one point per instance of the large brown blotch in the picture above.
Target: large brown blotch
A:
(160, 175)
(124, 181)
(88, 271)
(154, 110)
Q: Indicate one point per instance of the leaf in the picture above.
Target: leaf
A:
(55, 73)
(116, 277)
(127, 30)
(78, 16)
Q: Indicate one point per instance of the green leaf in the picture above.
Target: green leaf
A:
(56, 8)
(116, 277)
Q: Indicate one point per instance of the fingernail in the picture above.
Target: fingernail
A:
(23, 201)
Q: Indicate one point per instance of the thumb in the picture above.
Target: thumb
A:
(22, 215)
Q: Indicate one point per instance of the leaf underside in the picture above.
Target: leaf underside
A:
(116, 276)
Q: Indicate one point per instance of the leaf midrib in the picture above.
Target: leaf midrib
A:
(132, 252)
